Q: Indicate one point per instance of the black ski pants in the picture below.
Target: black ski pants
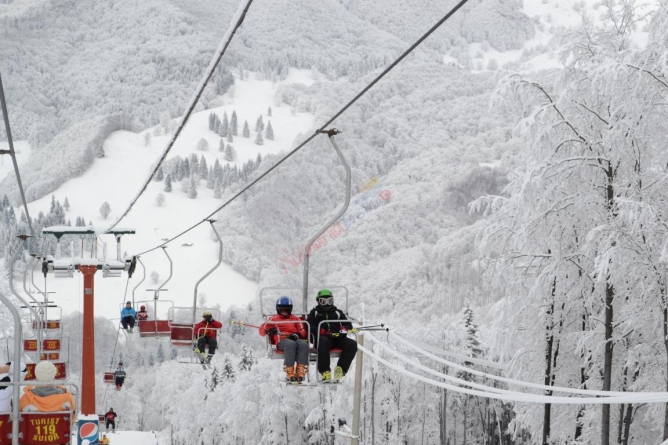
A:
(112, 423)
(348, 350)
(128, 321)
(211, 341)
(120, 380)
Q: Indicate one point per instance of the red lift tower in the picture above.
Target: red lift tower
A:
(65, 267)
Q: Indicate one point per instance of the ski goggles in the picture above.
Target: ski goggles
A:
(325, 301)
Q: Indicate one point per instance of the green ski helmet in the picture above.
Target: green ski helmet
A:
(325, 298)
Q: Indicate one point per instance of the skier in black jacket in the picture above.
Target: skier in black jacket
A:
(333, 334)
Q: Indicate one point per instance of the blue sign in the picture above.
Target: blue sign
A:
(88, 432)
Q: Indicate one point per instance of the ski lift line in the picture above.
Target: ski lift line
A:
(455, 380)
(323, 128)
(237, 20)
(477, 361)
(220, 260)
(12, 154)
(526, 398)
(458, 381)
(589, 392)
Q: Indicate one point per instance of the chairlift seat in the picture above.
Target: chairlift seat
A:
(154, 328)
(46, 428)
(109, 377)
(181, 334)
(47, 324)
(5, 429)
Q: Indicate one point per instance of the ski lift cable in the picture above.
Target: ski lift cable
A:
(477, 361)
(12, 154)
(237, 21)
(324, 127)
(588, 392)
(527, 398)
(484, 387)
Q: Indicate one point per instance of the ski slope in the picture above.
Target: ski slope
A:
(134, 438)
(116, 179)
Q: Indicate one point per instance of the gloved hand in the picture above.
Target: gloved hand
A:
(294, 337)
(343, 331)
(353, 330)
(272, 331)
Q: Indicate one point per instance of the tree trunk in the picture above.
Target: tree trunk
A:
(466, 418)
(583, 385)
(665, 344)
(607, 362)
(609, 298)
(548, 366)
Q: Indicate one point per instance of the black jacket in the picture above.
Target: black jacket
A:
(319, 314)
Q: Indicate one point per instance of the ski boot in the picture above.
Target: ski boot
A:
(290, 374)
(326, 377)
(302, 370)
(338, 373)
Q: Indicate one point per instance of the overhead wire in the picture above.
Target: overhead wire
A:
(586, 392)
(12, 154)
(323, 127)
(238, 20)
(528, 398)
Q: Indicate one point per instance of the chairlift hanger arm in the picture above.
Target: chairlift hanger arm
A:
(220, 260)
(307, 250)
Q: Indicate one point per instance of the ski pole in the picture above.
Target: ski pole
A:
(243, 323)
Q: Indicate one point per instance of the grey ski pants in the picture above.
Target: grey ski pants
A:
(293, 349)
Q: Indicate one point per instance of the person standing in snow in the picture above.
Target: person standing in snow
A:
(289, 338)
(205, 334)
(128, 315)
(333, 334)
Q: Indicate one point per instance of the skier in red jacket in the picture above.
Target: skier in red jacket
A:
(289, 338)
(205, 334)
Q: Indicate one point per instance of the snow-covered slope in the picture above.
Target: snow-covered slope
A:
(127, 163)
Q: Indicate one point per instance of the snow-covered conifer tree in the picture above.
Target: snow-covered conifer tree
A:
(246, 130)
(258, 138)
(66, 204)
(159, 175)
(224, 126)
(230, 153)
(234, 126)
(160, 200)
(202, 169)
(259, 124)
(168, 183)
(269, 132)
(269, 111)
(218, 189)
(192, 187)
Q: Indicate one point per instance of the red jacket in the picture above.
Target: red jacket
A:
(284, 328)
(203, 328)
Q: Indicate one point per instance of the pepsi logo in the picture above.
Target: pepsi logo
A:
(88, 431)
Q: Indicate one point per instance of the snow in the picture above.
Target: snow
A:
(134, 438)
(117, 177)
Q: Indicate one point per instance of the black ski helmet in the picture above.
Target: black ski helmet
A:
(282, 303)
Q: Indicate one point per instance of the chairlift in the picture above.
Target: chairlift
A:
(183, 319)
